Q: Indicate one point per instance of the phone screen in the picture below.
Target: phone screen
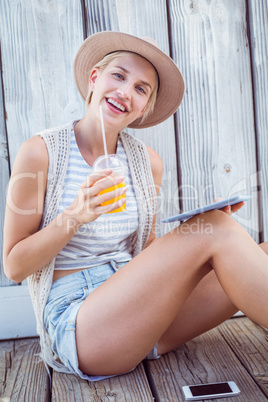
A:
(210, 389)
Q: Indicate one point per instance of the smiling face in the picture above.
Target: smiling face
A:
(123, 88)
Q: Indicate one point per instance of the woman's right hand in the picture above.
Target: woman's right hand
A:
(87, 205)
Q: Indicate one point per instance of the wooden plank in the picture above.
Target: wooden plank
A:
(215, 122)
(207, 358)
(258, 23)
(4, 178)
(22, 378)
(249, 343)
(38, 47)
(151, 22)
(6, 353)
(128, 387)
(16, 313)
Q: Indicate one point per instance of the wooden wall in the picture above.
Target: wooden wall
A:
(215, 146)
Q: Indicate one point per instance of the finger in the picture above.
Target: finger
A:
(104, 209)
(96, 176)
(115, 195)
(237, 206)
(227, 209)
(105, 183)
(218, 199)
(230, 209)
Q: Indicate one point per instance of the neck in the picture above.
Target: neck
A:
(89, 138)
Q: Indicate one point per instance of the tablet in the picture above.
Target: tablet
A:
(215, 205)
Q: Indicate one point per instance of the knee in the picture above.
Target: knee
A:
(212, 225)
(221, 222)
(223, 227)
(218, 218)
(207, 222)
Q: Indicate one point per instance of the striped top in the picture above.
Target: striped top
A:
(110, 236)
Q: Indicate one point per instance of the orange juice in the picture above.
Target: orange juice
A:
(124, 206)
(117, 165)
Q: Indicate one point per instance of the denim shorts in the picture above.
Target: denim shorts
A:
(65, 298)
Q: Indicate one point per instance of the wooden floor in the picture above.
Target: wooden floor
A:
(237, 350)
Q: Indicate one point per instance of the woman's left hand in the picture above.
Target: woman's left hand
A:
(230, 209)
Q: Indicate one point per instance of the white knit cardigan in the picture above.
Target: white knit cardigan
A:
(58, 146)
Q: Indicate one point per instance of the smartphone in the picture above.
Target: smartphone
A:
(210, 391)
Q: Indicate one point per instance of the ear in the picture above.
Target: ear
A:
(92, 78)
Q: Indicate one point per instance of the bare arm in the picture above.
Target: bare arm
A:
(26, 248)
(157, 170)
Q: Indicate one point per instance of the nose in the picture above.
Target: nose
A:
(123, 92)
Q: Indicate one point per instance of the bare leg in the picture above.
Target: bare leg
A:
(206, 307)
(120, 322)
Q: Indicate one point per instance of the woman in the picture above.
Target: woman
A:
(106, 293)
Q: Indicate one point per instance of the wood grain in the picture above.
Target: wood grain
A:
(129, 387)
(216, 120)
(215, 128)
(39, 40)
(249, 343)
(207, 358)
(258, 25)
(22, 378)
(236, 350)
(4, 178)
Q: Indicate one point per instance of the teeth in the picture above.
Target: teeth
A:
(116, 104)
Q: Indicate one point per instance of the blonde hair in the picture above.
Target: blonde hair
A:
(102, 64)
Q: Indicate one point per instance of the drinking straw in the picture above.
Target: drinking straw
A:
(103, 137)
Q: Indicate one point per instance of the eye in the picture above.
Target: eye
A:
(141, 90)
(119, 76)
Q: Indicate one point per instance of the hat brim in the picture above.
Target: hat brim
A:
(171, 88)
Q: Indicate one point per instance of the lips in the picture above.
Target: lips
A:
(118, 105)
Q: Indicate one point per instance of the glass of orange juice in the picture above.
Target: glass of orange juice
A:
(114, 162)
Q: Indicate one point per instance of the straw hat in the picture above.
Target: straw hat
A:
(171, 84)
